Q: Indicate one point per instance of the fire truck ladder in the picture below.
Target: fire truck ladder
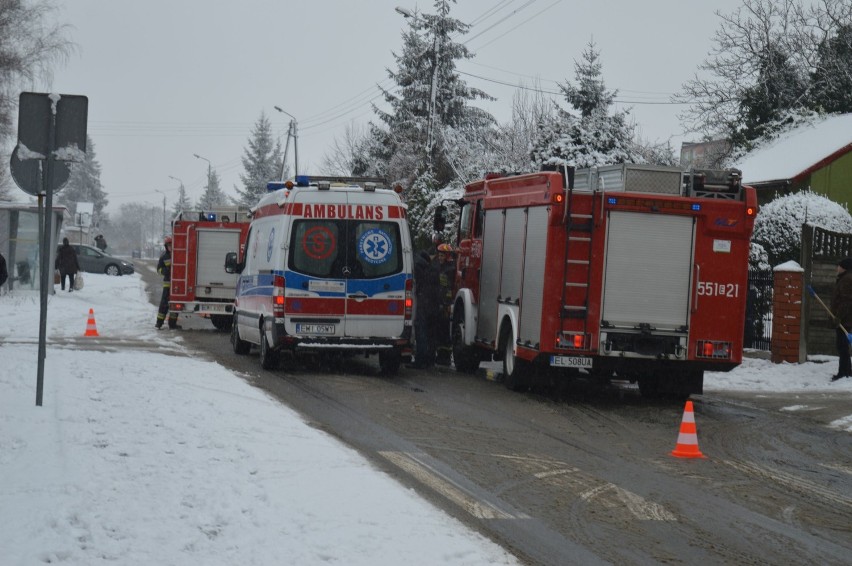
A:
(180, 242)
(577, 267)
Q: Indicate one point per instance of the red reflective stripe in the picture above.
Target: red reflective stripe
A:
(383, 307)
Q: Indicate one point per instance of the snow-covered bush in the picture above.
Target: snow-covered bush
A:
(778, 226)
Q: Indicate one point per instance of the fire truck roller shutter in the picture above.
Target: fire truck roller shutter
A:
(513, 250)
(533, 285)
(211, 280)
(489, 286)
(648, 269)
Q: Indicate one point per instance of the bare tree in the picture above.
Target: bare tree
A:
(348, 155)
(30, 43)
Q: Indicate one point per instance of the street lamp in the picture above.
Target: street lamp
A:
(164, 209)
(209, 169)
(294, 133)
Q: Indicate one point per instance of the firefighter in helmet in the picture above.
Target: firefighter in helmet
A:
(164, 268)
(446, 279)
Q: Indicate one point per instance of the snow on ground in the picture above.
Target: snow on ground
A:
(158, 458)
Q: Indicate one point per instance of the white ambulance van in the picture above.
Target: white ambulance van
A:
(327, 267)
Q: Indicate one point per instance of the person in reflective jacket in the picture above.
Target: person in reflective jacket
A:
(164, 268)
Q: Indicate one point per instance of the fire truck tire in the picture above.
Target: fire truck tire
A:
(268, 357)
(221, 322)
(389, 361)
(649, 386)
(465, 358)
(516, 372)
(241, 347)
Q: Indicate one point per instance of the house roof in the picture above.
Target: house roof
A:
(799, 152)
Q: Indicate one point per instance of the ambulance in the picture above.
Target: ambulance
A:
(327, 267)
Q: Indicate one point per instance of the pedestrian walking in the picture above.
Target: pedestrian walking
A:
(841, 309)
(4, 271)
(66, 263)
(100, 242)
(426, 295)
(164, 268)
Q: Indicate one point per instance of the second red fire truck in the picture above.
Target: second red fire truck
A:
(200, 285)
(628, 271)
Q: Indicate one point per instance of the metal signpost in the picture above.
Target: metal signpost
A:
(51, 133)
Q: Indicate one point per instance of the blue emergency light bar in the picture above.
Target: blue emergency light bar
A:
(303, 181)
(274, 186)
(210, 216)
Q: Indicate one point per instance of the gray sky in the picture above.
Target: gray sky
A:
(167, 79)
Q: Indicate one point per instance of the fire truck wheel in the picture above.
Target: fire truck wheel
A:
(221, 322)
(241, 347)
(649, 386)
(516, 374)
(465, 358)
(268, 357)
(389, 361)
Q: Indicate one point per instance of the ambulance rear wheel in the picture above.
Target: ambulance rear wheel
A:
(268, 357)
(389, 361)
(516, 372)
(465, 358)
(241, 347)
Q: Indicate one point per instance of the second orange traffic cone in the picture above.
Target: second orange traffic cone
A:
(687, 439)
(91, 329)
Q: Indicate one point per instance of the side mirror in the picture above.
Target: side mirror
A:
(231, 262)
(439, 222)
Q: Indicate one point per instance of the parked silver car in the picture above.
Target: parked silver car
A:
(93, 260)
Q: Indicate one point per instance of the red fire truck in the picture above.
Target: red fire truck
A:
(200, 284)
(626, 272)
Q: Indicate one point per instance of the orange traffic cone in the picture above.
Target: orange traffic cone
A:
(91, 329)
(687, 439)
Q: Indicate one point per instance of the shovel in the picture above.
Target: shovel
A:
(814, 295)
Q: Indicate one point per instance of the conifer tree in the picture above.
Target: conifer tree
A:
(593, 138)
(183, 203)
(213, 196)
(84, 184)
(261, 162)
(428, 98)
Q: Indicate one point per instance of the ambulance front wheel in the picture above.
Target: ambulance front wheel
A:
(241, 347)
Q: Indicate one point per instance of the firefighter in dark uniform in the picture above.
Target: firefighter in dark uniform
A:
(164, 268)
(446, 279)
(841, 308)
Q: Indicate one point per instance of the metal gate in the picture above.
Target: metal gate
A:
(758, 322)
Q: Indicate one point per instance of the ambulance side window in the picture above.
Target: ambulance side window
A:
(315, 247)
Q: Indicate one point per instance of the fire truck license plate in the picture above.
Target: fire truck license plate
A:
(571, 362)
(314, 329)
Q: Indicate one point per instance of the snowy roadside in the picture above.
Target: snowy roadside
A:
(149, 458)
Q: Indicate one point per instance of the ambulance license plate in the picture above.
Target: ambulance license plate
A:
(571, 362)
(314, 328)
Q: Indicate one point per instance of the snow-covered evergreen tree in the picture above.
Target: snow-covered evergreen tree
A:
(429, 96)
(261, 163)
(84, 185)
(213, 196)
(183, 203)
(778, 225)
(593, 138)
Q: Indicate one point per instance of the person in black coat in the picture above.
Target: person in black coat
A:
(66, 263)
(427, 304)
(100, 242)
(841, 308)
(4, 271)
